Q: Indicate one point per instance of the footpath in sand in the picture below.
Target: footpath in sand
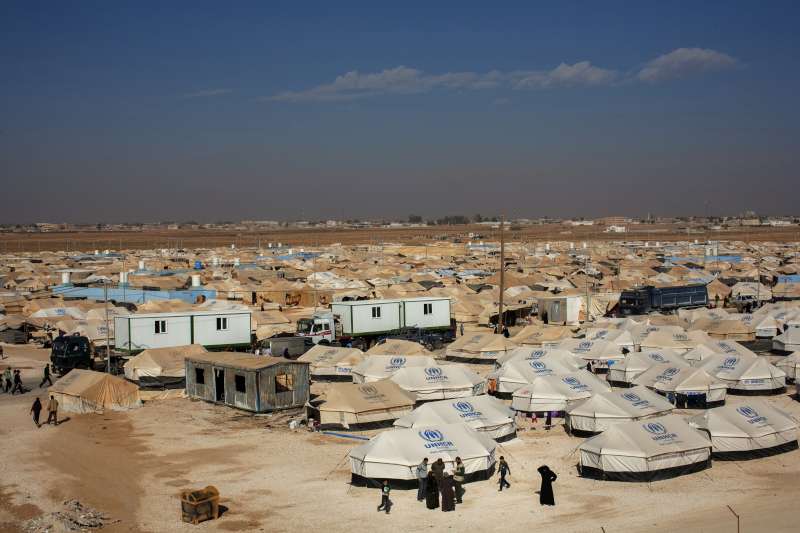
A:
(130, 467)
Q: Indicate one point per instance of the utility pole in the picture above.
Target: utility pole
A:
(108, 342)
(588, 292)
(500, 320)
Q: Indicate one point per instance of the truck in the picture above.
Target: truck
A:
(71, 351)
(362, 322)
(648, 299)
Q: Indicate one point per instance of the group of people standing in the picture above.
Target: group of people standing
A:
(12, 382)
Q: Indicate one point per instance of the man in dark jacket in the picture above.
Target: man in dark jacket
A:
(431, 492)
(437, 468)
(546, 492)
(504, 470)
(46, 377)
(18, 383)
(36, 410)
(422, 479)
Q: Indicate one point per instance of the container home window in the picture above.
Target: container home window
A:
(284, 383)
(239, 381)
(199, 376)
(161, 326)
(427, 309)
(222, 323)
(376, 312)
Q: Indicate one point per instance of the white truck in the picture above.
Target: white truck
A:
(360, 322)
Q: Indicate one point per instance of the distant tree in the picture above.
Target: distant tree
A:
(414, 219)
(477, 218)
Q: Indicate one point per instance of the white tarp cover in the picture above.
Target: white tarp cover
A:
(542, 335)
(377, 367)
(619, 337)
(520, 372)
(645, 446)
(161, 362)
(484, 346)
(788, 341)
(789, 365)
(637, 362)
(601, 353)
(485, 414)
(730, 348)
(749, 427)
(605, 409)
(556, 392)
(398, 347)
(332, 360)
(675, 339)
(439, 382)
(87, 391)
(745, 373)
(688, 381)
(395, 454)
(531, 353)
(698, 354)
(351, 403)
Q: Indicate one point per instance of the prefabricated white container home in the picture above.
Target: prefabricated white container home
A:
(212, 329)
(561, 310)
(372, 317)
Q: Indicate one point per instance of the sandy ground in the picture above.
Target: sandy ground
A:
(133, 465)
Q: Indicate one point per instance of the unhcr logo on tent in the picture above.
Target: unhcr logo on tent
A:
(601, 334)
(574, 383)
(751, 415)
(667, 374)
(729, 363)
(396, 363)
(585, 346)
(657, 357)
(368, 390)
(659, 431)
(635, 399)
(435, 440)
(726, 348)
(682, 337)
(537, 354)
(466, 410)
(434, 373)
(539, 367)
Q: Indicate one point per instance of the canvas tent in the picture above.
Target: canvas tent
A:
(347, 404)
(530, 353)
(557, 392)
(745, 374)
(607, 408)
(753, 429)
(375, 367)
(542, 335)
(788, 341)
(520, 372)
(618, 337)
(161, 367)
(675, 339)
(689, 385)
(645, 450)
(601, 353)
(484, 347)
(398, 347)
(637, 362)
(86, 391)
(395, 454)
(789, 365)
(484, 414)
(332, 362)
(439, 382)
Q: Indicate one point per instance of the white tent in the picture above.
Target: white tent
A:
(541, 335)
(395, 454)
(618, 337)
(789, 365)
(161, 366)
(351, 403)
(637, 362)
(377, 367)
(698, 353)
(531, 353)
(439, 382)
(520, 372)
(753, 429)
(605, 409)
(645, 450)
(675, 339)
(331, 361)
(484, 414)
(479, 346)
(87, 391)
(555, 393)
(399, 347)
(730, 348)
(745, 373)
(694, 383)
(601, 353)
(788, 341)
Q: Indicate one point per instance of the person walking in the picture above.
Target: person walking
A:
(448, 496)
(46, 376)
(52, 410)
(422, 479)
(546, 491)
(2, 352)
(504, 470)
(506, 333)
(548, 421)
(431, 491)
(7, 380)
(36, 409)
(459, 474)
(386, 504)
(461, 326)
(17, 383)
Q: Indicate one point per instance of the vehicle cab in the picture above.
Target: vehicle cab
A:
(319, 328)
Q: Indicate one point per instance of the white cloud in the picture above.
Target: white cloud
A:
(684, 62)
(207, 92)
(355, 85)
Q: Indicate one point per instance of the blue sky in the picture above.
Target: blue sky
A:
(210, 111)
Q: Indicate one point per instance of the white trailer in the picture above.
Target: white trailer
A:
(212, 329)
(563, 310)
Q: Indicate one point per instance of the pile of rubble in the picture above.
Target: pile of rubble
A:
(73, 517)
